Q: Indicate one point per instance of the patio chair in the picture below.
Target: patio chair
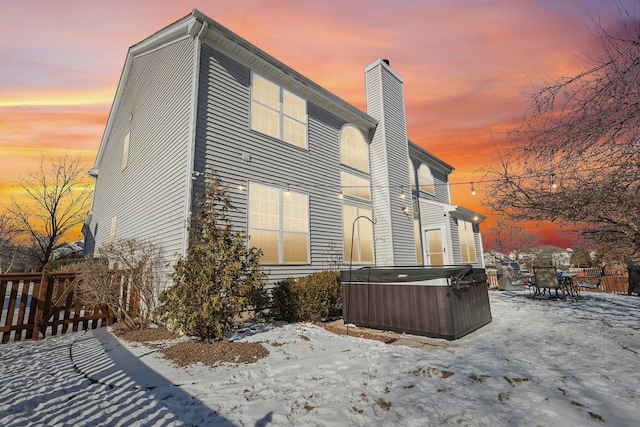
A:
(509, 281)
(546, 279)
(588, 282)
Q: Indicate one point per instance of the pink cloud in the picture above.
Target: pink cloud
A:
(466, 64)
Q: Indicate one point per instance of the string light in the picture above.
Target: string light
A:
(288, 190)
(403, 194)
(341, 195)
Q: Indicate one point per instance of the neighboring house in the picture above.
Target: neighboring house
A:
(546, 255)
(69, 250)
(305, 169)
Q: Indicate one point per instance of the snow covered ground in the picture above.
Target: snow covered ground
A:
(542, 363)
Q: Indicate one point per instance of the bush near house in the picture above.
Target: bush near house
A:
(306, 299)
(220, 277)
(125, 275)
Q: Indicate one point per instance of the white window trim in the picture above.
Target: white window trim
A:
(281, 114)
(357, 259)
(347, 188)
(282, 194)
(114, 227)
(125, 151)
(465, 246)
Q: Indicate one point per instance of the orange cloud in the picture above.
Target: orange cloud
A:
(465, 65)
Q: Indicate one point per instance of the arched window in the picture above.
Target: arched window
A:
(425, 179)
(354, 150)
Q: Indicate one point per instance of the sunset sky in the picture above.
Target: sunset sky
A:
(466, 64)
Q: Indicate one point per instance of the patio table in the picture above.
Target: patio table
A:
(566, 281)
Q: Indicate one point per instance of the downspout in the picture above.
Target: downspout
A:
(192, 138)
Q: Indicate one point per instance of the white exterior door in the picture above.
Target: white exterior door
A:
(435, 249)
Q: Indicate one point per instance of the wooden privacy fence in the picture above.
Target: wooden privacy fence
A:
(614, 280)
(44, 303)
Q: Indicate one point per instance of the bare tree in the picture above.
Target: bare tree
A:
(57, 199)
(126, 276)
(574, 160)
(8, 247)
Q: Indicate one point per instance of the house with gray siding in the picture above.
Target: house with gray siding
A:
(315, 182)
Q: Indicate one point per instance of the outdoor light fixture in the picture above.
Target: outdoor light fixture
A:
(240, 185)
(288, 190)
(405, 209)
(341, 194)
(402, 193)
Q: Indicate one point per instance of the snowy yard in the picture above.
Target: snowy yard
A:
(547, 363)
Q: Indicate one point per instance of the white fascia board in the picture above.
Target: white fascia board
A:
(229, 43)
(419, 153)
(174, 32)
(447, 207)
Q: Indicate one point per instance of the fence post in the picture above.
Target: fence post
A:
(42, 292)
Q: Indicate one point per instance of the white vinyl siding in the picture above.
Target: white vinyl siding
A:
(467, 242)
(362, 231)
(154, 107)
(279, 224)
(277, 112)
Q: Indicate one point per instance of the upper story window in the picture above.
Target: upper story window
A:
(277, 112)
(467, 241)
(125, 151)
(425, 179)
(355, 186)
(354, 150)
(279, 224)
(412, 174)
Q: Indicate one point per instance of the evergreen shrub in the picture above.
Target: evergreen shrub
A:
(306, 299)
(219, 279)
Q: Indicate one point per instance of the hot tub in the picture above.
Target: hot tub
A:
(444, 302)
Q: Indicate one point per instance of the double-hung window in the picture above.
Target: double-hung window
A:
(277, 112)
(279, 224)
(467, 243)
